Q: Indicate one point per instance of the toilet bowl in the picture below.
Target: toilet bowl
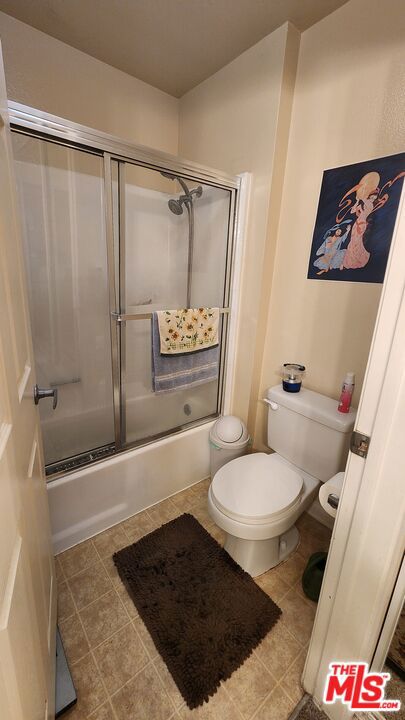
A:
(256, 499)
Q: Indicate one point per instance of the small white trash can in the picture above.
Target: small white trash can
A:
(229, 439)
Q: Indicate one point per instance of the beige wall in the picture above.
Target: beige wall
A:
(232, 121)
(348, 106)
(49, 75)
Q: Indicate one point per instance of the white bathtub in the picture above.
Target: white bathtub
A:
(95, 498)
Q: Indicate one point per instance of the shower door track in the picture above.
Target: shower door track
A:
(35, 123)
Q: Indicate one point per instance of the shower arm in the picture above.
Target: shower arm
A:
(179, 180)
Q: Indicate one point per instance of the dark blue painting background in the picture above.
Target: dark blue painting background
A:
(377, 238)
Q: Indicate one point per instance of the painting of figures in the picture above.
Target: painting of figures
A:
(355, 221)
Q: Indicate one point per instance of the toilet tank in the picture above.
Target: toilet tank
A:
(307, 429)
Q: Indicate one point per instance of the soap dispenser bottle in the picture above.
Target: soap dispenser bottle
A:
(346, 394)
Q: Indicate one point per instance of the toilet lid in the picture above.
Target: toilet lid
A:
(256, 487)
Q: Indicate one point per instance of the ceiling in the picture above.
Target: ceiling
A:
(171, 44)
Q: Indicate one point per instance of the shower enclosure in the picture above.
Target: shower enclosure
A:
(112, 233)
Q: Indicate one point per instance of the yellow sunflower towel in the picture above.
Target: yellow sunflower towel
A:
(187, 330)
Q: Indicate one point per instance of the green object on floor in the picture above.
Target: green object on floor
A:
(313, 575)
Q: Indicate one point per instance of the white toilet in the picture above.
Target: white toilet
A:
(256, 499)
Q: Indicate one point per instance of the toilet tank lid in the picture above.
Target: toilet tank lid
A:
(315, 406)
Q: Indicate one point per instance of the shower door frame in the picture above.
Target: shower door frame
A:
(43, 126)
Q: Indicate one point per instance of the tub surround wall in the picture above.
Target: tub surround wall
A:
(49, 75)
(348, 106)
(233, 121)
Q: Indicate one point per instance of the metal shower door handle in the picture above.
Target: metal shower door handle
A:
(41, 393)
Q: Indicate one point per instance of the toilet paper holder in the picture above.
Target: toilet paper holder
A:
(333, 500)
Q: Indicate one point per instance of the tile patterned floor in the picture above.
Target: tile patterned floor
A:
(117, 671)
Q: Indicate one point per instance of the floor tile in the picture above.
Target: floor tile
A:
(125, 658)
(314, 536)
(278, 706)
(66, 606)
(168, 682)
(120, 658)
(150, 646)
(249, 685)
(89, 585)
(217, 533)
(291, 682)
(73, 638)
(78, 558)
(219, 707)
(138, 525)
(298, 589)
(60, 576)
(201, 489)
(142, 698)
(103, 618)
(111, 569)
(200, 511)
(75, 713)
(185, 500)
(298, 615)
(312, 544)
(88, 684)
(126, 600)
(272, 584)
(109, 541)
(278, 650)
(291, 570)
(104, 712)
(163, 512)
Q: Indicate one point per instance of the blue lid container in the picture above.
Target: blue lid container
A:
(292, 377)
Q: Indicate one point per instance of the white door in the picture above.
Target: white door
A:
(368, 536)
(27, 576)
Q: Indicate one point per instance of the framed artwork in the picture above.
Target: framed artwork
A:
(355, 221)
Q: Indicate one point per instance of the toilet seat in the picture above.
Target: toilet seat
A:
(256, 489)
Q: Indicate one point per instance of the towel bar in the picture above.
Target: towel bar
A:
(122, 317)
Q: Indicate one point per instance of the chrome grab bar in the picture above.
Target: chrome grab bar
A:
(122, 317)
(59, 383)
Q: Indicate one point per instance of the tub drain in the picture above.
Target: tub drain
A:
(187, 409)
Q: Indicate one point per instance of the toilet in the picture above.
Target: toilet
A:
(256, 499)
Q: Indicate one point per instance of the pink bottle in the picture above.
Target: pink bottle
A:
(347, 392)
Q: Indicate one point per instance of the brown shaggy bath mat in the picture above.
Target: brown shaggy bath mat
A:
(204, 613)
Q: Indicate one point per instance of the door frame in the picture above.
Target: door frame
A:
(363, 564)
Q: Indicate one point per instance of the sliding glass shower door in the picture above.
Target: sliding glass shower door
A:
(63, 227)
(108, 242)
(172, 253)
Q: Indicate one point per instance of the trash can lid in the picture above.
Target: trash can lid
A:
(229, 428)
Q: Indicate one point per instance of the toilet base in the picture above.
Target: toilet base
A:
(258, 556)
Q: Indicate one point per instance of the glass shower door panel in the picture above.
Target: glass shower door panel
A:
(62, 206)
(166, 267)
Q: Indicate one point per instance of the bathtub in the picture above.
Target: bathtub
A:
(94, 498)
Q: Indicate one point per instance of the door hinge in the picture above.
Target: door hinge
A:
(359, 444)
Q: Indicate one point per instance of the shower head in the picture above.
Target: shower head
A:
(176, 206)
